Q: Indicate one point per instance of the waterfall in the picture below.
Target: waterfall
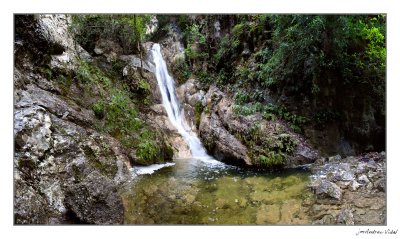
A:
(171, 105)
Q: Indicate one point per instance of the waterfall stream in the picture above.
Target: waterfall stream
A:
(171, 105)
(202, 190)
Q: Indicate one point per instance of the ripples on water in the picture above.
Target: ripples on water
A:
(194, 191)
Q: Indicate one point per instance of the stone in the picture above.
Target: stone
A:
(110, 49)
(32, 130)
(347, 176)
(159, 109)
(95, 200)
(133, 63)
(345, 217)
(363, 179)
(289, 210)
(58, 152)
(224, 146)
(29, 205)
(358, 205)
(326, 188)
(354, 185)
(380, 184)
(335, 158)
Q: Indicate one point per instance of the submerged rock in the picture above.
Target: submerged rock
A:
(268, 214)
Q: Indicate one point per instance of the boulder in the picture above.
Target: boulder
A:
(110, 49)
(363, 197)
(29, 205)
(228, 135)
(345, 217)
(32, 131)
(95, 200)
(326, 188)
(220, 143)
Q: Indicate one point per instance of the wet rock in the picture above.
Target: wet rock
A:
(221, 143)
(345, 217)
(363, 179)
(326, 188)
(159, 109)
(172, 47)
(363, 198)
(335, 158)
(289, 211)
(232, 138)
(380, 185)
(95, 200)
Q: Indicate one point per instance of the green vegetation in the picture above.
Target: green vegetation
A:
(272, 160)
(127, 30)
(197, 113)
(307, 70)
(294, 55)
(89, 74)
(271, 112)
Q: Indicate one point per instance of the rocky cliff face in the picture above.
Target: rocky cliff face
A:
(65, 170)
(242, 140)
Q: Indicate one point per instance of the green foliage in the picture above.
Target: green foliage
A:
(147, 149)
(89, 74)
(222, 77)
(286, 143)
(117, 66)
(198, 109)
(325, 116)
(121, 117)
(204, 77)
(241, 97)
(226, 48)
(181, 70)
(195, 42)
(127, 30)
(269, 112)
(248, 109)
(272, 160)
(98, 109)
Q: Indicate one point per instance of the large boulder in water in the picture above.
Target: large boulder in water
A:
(220, 143)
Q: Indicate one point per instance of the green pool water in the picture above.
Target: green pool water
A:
(194, 192)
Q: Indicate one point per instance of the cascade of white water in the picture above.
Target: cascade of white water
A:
(171, 104)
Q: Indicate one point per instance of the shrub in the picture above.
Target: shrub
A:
(98, 109)
(147, 149)
(197, 113)
(272, 160)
